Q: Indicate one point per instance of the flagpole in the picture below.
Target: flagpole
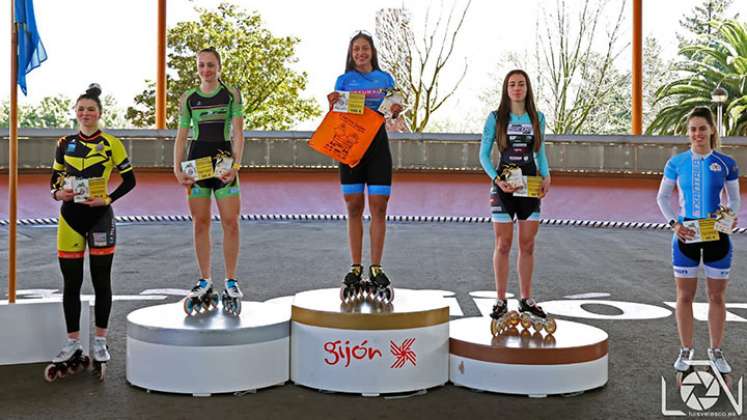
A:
(13, 155)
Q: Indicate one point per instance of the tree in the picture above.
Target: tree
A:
(58, 112)
(702, 22)
(576, 86)
(254, 61)
(416, 63)
(725, 66)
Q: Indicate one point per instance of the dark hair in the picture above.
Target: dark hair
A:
(350, 63)
(705, 113)
(93, 92)
(212, 51)
(503, 114)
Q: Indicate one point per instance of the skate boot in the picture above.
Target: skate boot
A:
(682, 365)
(69, 360)
(501, 318)
(352, 287)
(379, 288)
(201, 298)
(101, 357)
(532, 315)
(231, 297)
(717, 358)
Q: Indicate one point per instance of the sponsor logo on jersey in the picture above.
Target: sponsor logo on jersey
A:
(70, 147)
(715, 167)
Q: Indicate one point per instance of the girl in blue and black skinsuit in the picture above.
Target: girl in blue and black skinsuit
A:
(363, 75)
(518, 129)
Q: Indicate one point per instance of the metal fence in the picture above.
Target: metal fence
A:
(427, 152)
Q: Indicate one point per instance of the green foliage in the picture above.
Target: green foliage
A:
(725, 66)
(50, 112)
(57, 112)
(256, 62)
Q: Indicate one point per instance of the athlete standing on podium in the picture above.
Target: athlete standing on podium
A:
(363, 75)
(518, 130)
(215, 112)
(89, 154)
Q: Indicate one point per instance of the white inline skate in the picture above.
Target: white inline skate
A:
(231, 297)
(201, 298)
(101, 357)
(682, 366)
(70, 360)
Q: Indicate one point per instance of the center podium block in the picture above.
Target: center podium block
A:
(369, 348)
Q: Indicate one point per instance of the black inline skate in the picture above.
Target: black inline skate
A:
(352, 285)
(379, 287)
(532, 315)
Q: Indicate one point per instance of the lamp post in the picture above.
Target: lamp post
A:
(719, 97)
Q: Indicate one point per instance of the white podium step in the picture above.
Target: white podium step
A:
(208, 353)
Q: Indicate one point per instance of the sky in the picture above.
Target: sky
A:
(113, 42)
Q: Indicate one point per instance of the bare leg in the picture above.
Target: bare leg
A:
(686, 288)
(525, 260)
(377, 205)
(504, 233)
(199, 208)
(716, 310)
(355, 204)
(229, 209)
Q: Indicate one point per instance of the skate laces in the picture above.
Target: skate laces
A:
(356, 269)
(232, 284)
(686, 353)
(716, 354)
(201, 284)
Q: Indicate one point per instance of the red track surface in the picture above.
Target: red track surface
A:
(413, 194)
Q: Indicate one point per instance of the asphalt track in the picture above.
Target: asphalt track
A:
(282, 258)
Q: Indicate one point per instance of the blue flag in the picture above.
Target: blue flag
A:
(31, 52)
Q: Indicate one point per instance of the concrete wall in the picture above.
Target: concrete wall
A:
(429, 151)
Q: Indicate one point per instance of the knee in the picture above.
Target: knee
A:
(355, 208)
(503, 247)
(716, 298)
(685, 297)
(201, 223)
(526, 247)
(378, 210)
(230, 225)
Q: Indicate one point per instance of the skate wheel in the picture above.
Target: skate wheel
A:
(513, 318)
(679, 376)
(538, 325)
(237, 307)
(100, 371)
(728, 380)
(551, 326)
(189, 306)
(346, 294)
(526, 322)
(390, 292)
(214, 300)
(50, 373)
(494, 327)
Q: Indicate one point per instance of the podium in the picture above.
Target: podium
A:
(208, 353)
(572, 360)
(369, 348)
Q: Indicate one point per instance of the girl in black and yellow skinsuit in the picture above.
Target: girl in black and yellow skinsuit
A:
(90, 153)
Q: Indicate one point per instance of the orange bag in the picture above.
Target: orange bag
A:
(345, 137)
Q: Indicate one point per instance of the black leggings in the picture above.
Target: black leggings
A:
(72, 273)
